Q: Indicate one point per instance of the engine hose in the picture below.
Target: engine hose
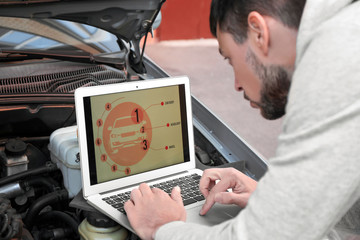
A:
(57, 233)
(50, 184)
(4, 222)
(49, 167)
(42, 202)
(11, 224)
(8, 235)
(60, 216)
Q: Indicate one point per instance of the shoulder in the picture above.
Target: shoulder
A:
(326, 77)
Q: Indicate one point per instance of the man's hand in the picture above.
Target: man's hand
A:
(241, 185)
(148, 209)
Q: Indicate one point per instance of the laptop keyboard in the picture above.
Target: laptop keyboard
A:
(189, 186)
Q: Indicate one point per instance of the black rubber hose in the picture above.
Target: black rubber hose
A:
(4, 222)
(60, 216)
(57, 233)
(49, 167)
(42, 202)
(8, 235)
(50, 184)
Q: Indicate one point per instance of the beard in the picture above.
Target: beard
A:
(275, 82)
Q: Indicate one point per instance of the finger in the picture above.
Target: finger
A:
(135, 195)
(160, 193)
(176, 195)
(206, 187)
(129, 207)
(209, 202)
(207, 181)
(145, 189)
(157, 190)
(222, 186)
(232, 198)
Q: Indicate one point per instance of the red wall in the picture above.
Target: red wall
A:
(184, 19)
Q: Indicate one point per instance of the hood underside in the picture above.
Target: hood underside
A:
(129, 20)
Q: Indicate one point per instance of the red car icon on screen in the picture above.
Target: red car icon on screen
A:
(125, 133)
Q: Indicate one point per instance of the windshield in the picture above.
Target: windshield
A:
(50, 34)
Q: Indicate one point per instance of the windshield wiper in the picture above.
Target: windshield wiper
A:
(116, 59)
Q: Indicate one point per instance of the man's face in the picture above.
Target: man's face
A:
(266, 87)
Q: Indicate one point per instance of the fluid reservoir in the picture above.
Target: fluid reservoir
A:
(99, 227)
(13, 158)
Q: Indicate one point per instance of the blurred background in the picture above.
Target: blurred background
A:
(183, 45)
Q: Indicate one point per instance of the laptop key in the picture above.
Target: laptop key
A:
(185, 197)
(118, 205)
(189, 201)
(197, 177)
(199, 198)
(122, 210)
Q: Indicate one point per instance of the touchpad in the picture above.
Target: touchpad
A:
(217, 214)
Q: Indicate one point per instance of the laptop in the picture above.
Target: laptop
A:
(136, 132)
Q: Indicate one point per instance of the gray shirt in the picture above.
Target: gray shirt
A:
(313, 182)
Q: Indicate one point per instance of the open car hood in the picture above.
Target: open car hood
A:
(129, 20)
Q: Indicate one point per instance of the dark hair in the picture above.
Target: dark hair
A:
(231, 15)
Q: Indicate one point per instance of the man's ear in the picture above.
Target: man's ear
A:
(258, 32)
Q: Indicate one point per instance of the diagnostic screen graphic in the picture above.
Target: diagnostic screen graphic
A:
(135, 131)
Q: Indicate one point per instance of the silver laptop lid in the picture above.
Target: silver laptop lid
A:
(133, 132)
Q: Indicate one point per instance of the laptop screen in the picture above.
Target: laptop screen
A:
(135, 131)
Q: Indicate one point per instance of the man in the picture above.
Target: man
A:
(312, 183)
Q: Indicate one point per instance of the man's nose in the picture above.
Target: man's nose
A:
(238, 86)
